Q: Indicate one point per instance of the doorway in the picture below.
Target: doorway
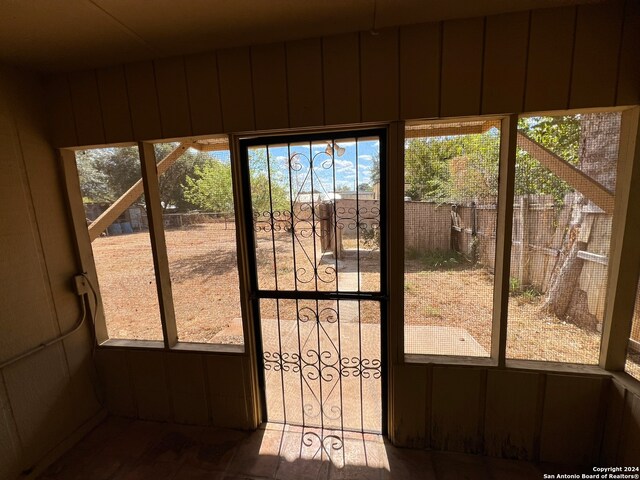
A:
(316, 206)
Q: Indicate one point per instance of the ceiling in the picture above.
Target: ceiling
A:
(57, 35)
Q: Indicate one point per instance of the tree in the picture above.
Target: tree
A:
(106, 173)
(172, 181)
(452, 168)
(558, 134)
(597, 149)
(210, 186)
(365, 187)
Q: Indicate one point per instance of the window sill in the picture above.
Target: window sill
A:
(179, 347)
(208, 347)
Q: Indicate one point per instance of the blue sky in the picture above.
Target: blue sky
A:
(364, 150)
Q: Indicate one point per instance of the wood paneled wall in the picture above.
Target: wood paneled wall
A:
(46, 397)
(183, 387)
(553, 59)
(561, 418)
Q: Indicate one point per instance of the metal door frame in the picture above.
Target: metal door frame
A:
(255, 294)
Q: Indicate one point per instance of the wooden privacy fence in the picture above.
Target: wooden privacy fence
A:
(539, 230)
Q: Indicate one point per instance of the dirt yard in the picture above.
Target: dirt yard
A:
(204, 277)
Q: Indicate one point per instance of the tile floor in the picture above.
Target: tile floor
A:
(124, 449)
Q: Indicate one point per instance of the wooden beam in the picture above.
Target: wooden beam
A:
(575, 177)
(150, 174)
(446, 129)
(84, 252)
(504, 226)
(118, 207)
(624, 255)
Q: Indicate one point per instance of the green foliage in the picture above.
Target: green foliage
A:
(453, 168)
(464, 167)
(560, 135)
(106, 173)
(523, 293)
(210, 188)
(171, 182)
(438, 259)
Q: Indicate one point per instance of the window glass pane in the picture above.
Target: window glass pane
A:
(632, 366)
(564, 188)
(316, 211)
(451, 187)
(115, 208)
(196, 194)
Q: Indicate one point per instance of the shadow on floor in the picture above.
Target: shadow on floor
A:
(124, 449)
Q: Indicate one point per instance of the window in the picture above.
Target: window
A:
(197, 210)
(116, 212)
(451, 189)
(565, 181)
(632, 366)
(196, 195)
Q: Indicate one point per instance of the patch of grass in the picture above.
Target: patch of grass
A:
(438, 259)
(431, 311)
(524, 293)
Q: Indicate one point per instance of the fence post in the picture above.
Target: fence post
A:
(523, 267)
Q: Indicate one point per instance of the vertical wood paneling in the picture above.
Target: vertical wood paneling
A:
(462, 47)
(420, 70)
(173, 98)
(630, 445)
(113, 370)
(629, 68)
(410, 406)
(114, 102)
(304, 79)
(228, 407)
(511, 414)
(150, 384)
(572, 416)
(41, 403)
(549, 64)
(456, 413)
(505, 59)
(188, 388)
(60, 108)
(379, 74)
(143, 101)
(86, 107)
(9, 441)
(341, 69)
(204, 93)
(236, 89)
(269, 69)
(615, 402)
(595, 58)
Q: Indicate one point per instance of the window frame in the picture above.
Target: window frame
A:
(620, 293)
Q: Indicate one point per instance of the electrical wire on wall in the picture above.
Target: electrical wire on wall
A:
(83, 318)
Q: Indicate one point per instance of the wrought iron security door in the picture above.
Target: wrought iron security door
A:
(318, 277)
